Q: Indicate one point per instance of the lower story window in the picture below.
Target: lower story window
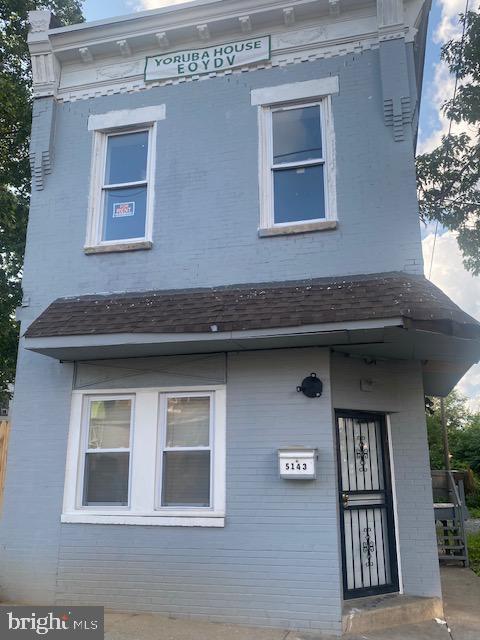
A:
(107, 455)
(147, 457)
(186, 477)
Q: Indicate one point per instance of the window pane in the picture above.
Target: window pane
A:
(109, 426)
(124, 213)
(188, 422)
(297, 135)
(106, 478)
(186, 478)
(299, 194)
(127, 158)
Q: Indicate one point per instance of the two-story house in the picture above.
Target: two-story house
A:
(226, 333)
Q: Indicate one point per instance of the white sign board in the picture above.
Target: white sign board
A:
(297, 464)
(191, 62)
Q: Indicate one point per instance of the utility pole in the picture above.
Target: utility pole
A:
(446, 451)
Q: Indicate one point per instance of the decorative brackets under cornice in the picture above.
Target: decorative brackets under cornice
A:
(45, 67)
(389, 15)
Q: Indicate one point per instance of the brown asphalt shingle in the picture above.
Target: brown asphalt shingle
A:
(256, 306)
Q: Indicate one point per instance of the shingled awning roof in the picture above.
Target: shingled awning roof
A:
(259, 306)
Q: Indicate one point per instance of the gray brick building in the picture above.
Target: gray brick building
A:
(226, 334)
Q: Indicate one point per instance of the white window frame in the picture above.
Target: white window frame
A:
(294, 96)
(145, 461)
(84, 449)
(103, 127)
(163, 413)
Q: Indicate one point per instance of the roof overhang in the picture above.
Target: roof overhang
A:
(445, 358)
(121, 345)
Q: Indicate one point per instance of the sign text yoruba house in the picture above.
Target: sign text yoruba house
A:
(191, 62)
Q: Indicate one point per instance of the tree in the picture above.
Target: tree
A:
(463, 428)
(448, 177)
(458, 417)
(466, 446)
(15, 123)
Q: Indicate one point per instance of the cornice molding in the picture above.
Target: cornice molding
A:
(101, 58)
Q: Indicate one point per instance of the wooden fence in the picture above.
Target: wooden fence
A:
(4, 433)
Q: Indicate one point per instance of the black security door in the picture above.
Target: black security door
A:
(366, 506)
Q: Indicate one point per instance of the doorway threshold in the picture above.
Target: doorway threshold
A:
(361, 615)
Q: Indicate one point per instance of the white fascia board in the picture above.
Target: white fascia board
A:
(309, 89)
(159, 338)
(126, 118)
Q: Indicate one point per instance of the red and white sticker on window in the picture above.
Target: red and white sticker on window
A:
(123, 209)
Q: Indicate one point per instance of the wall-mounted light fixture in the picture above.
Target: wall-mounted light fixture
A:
(311, 386)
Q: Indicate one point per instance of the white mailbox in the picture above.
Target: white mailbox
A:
(298, 463)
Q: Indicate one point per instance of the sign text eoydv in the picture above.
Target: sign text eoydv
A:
(190, 62)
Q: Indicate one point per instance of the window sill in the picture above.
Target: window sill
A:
(121, 246)
(153, 520)
(306, 227)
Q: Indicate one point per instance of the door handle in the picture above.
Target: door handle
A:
(345, 499)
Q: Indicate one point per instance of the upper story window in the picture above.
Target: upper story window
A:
(297, 157)
(298, 164)
(125, 189)
(122, 182)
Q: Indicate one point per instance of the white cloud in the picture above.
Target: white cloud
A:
(462, 287)
(449, 27)
(443, 84)
(143, 5)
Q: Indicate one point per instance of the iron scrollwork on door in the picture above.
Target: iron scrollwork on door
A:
(362, 453)
(368, 547)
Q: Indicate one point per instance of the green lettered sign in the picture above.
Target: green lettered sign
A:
(191, 62)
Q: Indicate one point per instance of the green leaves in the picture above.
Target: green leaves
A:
(448, 177)
(463, 428)
(15, 126)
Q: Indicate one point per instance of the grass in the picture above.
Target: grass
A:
(474, 551)
(474, 512)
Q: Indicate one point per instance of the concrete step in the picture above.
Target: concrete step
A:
(382, 612)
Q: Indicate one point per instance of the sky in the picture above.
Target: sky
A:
(446, 270)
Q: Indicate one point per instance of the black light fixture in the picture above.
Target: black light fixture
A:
(311, 386)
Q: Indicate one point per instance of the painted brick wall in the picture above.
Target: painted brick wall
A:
(398, 389)
(276, 562)
(207, 204)
(29, 523)
(279, 550)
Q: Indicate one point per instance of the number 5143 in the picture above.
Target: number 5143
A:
(295, 466)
